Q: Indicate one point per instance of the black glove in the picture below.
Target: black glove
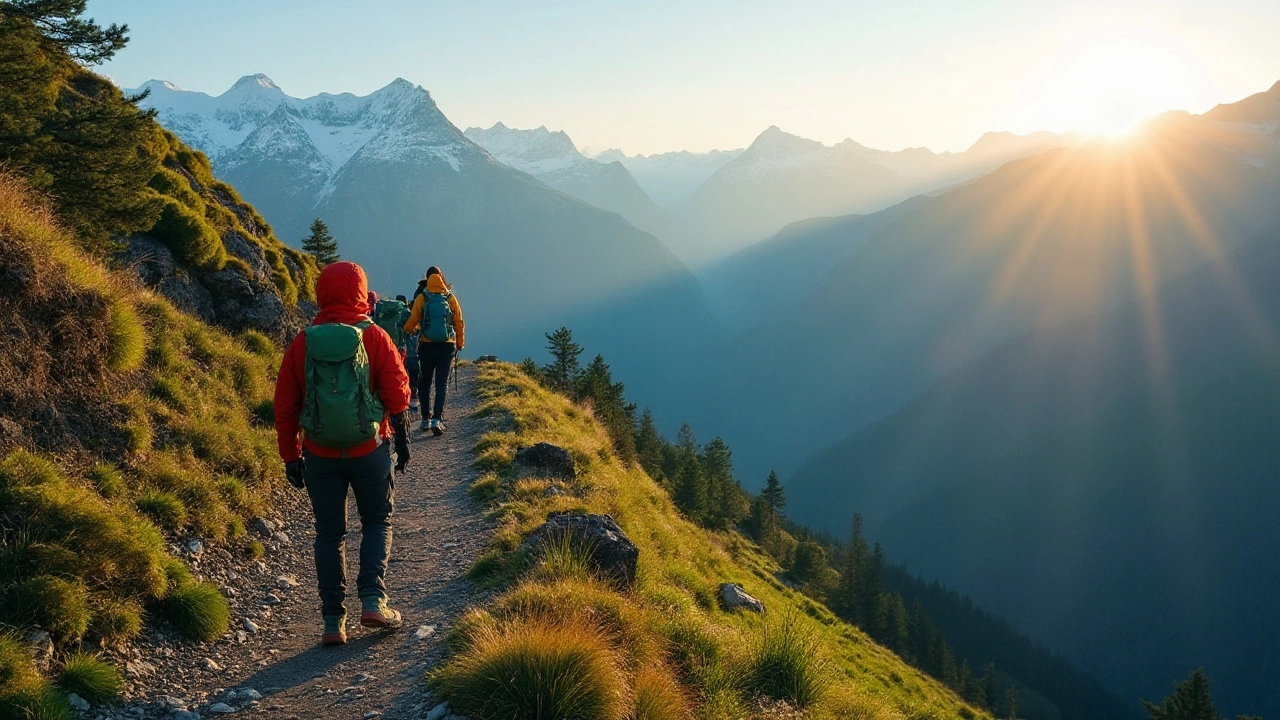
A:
(402, 441)
(296, 473)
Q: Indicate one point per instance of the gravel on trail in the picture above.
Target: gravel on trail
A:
(269, 662)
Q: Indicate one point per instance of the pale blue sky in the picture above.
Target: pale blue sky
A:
(682, 74)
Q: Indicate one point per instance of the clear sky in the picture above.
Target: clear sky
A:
(666, 75)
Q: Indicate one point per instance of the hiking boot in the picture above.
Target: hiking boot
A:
(335, 630)
(413, 406)
(376, 614)
(437, 427)
(424, 426)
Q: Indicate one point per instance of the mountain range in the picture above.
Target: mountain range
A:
(669, 177)
(402, 188)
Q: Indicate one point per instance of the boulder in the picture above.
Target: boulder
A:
(262, 527)
(612, 554)
(40, 646)
(733, 597)
(546, 460)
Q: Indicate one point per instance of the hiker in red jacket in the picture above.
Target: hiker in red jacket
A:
(341, 438)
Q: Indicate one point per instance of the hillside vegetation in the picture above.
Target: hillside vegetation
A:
(665, 648)
(124, 423)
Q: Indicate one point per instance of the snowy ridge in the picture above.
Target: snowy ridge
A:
(255, 117)
(537, 152)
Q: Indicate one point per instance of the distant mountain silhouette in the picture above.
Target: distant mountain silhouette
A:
(1048, 239)
(669, 177)
(553, 158)
(782, 178)
(1109, 485)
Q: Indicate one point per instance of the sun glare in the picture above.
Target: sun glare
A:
(1108, 90)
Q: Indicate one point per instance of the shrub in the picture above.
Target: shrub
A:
(189, 236)
(536, 670)
(167, 510)
(91, 678)
(126, 338)
(197, 610)
(115, 621)
(59, 606)
(107, 480)
(786, 665)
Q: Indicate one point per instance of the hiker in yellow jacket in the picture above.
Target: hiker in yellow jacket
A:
(437, 317)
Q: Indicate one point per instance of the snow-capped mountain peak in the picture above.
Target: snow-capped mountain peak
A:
(536, 151)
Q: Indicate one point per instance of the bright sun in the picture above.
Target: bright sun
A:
(1108, 89)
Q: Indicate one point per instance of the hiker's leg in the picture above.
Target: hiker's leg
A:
(444, 361)
(412, 367)
(327, 487)
(426, 372)
(375, 498)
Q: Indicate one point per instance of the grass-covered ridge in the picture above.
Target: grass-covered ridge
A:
(124, 421)
(664, 649)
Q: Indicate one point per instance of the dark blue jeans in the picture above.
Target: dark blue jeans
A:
(369, 477)
(434, 360)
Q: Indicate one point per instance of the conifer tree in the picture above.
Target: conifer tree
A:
(690, 490)
(727, 502)
(773, 493)
(320, 244)
(608, 399)
(1190, 701)
(990, 691)
(649, 445)
(60, 22)
(563, 372)
(809, 563)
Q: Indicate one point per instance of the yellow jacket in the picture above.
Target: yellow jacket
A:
(436, 285)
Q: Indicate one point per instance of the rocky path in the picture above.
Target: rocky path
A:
(270, 663)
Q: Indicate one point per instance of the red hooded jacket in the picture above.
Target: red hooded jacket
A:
(342, 291)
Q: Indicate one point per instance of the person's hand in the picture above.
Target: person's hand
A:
(296, 473)
(401, 441)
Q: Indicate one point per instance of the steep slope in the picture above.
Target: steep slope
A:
(1262, 108)
(1041, 241)
(665, 647)
(553, 158)
(669, 177)
(1108, 485)
(760, 283)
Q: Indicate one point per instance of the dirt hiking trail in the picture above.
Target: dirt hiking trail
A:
(438, 532)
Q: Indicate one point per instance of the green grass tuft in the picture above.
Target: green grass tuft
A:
(185, 231)
(536, 670)
(90, 677)
(254, 550)
(658, 697)
(108, 481)
(786, 665)
(197, 610)
(258, 344)
(166, 509)
(58, 606)
(126, 338)
(115, 622)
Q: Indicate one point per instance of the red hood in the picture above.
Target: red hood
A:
(342, 291)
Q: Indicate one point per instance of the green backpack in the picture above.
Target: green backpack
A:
(340, 409)
(387, 314)
(437, 317)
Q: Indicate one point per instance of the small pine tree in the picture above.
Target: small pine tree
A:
(773, 494)
(320, 244)
(690, 490)
(1190, 701)
(608, 399)
(809, 562)
(61, 23)
(563, 372)
(649, 444)
(990, 691)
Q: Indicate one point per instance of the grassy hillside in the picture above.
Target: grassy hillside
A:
(664, 649)
(123, 423)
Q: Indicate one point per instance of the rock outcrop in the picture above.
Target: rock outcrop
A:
(612, 555)
(733, 597)
(546, 460)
